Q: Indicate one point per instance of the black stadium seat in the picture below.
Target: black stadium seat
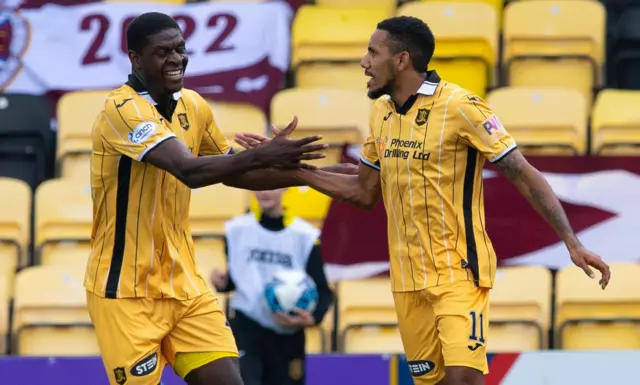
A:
(25, 137)
(625, 55)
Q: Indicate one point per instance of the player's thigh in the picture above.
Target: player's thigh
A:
(462, 310)
(129, 332)
(419, 334)
(202, 335)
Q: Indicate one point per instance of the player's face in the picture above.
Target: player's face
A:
(270, 199)
(378, 64)
(164, 60)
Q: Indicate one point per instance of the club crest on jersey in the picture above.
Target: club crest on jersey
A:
(120, 376)
(184, 121)
(382, 144)
(422, 116)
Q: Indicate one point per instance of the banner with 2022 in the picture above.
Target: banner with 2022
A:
(239, 52)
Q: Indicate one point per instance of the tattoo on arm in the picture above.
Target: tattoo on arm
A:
(536, 189)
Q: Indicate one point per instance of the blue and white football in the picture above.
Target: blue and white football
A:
(290, 289)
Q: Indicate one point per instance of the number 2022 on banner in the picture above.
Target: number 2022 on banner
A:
(100, 24)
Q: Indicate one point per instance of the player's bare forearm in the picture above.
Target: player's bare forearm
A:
(265, 179)
(358, 190)
(533, 186)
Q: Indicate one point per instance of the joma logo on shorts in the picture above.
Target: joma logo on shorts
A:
(420, 368)
(145, 366)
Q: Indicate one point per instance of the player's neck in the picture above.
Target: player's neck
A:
(273, 212)
(158, 94)
(407, 87)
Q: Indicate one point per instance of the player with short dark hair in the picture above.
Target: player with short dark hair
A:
(427, 144)
(153, 142)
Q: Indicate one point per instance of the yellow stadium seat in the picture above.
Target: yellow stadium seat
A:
(333, 33)
(210, 255)
(212, 206)
(332, 75)
(367, 321)
(386, 4)
(543, 121)
(520, 309)
(63, 216)
(303, 202)
(466, 40)
(318, 338)
(76, 114)
(615, 124)
(589, 318)
(233, 118)
(570, 32)
(340, 116)
(497, 4)
(15, 222)
(50, 315)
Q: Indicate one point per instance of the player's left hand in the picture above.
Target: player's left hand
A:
(301, 319)
(585, 259)
(250, 140)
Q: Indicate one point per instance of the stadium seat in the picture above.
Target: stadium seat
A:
(63, 219)
(318, 338)
(210, 255)
(50, 316)
(624, 50)
(212, 206)
(543, 121)
(346, 39)
(554, 43)
(589, 318)
(233, 118)
(367, 321)
(6, 288)
(497, 4)
(520, 309)
(615, 124)
(27, 151)
(76, 114)
(386, 4)
(340, 116)
(331, 75)
(15, 223)
(303, 202)
(466, 40)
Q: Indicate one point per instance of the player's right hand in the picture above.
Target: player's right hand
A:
(219, 279)
(282, 152)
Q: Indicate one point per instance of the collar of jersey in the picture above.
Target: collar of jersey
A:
(137, 85)
(428, 88)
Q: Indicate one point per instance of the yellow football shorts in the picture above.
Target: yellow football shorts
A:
(443, 326)
(139, 336)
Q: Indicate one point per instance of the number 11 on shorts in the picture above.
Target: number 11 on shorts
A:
(477, 330)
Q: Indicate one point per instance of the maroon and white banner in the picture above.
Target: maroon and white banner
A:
(600, 196)
(238, 52)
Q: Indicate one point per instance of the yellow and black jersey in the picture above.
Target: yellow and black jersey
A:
(141, 240)
(430, 152)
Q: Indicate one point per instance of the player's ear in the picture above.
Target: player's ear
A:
(404, 60)
(134, 58)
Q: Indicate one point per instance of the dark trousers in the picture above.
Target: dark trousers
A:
(266, 357)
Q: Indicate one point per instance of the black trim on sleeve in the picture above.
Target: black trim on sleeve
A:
(315, 270)
(505, 155)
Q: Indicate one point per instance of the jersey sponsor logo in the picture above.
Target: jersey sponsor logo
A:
(402, 149)
(420, 368)
(492, 124)
(184, 121)
(145, 366)
(142, 132)
(120, 376)
(422, 116)
(271, 257)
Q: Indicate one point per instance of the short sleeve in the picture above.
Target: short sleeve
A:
(132, 129)
(213, 141)
(369, 154)
(482, 129)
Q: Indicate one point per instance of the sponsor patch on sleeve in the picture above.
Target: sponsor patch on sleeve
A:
(493, 126)
(143, 132)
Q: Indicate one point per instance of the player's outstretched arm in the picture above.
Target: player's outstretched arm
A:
(533, 186)
(281, 152)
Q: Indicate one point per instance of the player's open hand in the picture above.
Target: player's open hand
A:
(250, 140)
(586, 260)
(282, 152)
(301, 319)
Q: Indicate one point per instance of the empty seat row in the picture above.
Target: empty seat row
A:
(570, 32)
(63, 219)
(50, 317)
